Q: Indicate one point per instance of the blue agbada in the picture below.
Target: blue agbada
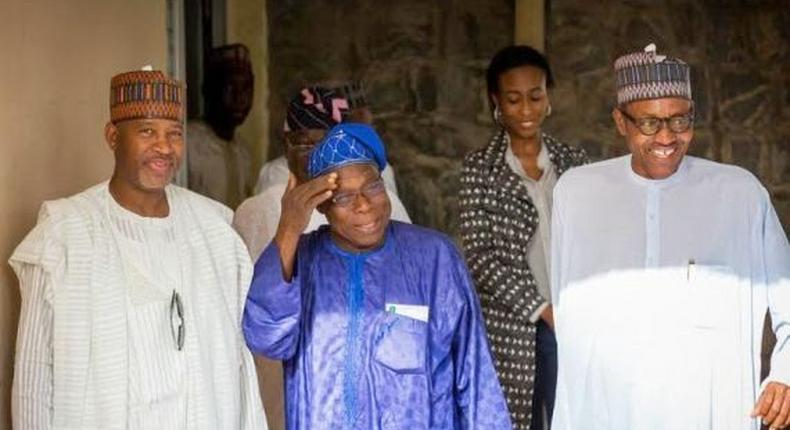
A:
(386, 339)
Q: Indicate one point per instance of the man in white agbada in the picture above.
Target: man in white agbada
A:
(133, 290)
(663, 267)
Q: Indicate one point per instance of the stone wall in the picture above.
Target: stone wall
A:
(423, 65)
(740, 54)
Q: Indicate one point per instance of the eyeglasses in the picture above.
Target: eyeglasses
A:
(652, 125)
(177, 320)
(370, 191)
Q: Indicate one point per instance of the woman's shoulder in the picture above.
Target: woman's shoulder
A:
(565, 154)
(486, 156)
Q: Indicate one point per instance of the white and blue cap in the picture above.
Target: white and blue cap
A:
(346, 144)
(647, 75)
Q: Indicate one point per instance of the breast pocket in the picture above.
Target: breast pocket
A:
(714, 292)
(401, 344)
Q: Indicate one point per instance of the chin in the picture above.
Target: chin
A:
(155, 184)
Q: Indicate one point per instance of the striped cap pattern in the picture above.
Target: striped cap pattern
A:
(144, 94)
(645, 75)
(354, 92)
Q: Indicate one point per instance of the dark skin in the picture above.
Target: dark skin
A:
(362, 225)
(298, 204)
(658, 157)
(298, 144)
(228, 98)
(524, 102)
(147, 153)
(358, 227)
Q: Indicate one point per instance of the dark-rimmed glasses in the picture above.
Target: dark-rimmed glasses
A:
(370, 190)
(177, 320)
(651, 125)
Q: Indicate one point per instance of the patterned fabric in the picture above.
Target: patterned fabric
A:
(346, 144)
(498, 219)
(80, 377)
(354, 92)
(142, 94)
(390, 339)
(315, 108)
(645, 75)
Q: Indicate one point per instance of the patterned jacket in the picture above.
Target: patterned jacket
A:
(498, 220)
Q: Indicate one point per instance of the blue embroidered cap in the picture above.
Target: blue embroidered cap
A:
(345, 144)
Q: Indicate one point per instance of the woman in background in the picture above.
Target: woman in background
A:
(505, 199)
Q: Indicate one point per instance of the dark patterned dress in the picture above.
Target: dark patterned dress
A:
(498, 219)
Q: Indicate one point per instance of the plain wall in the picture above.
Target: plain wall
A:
(56, 62)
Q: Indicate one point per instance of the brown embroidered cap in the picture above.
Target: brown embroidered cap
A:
(142, 94)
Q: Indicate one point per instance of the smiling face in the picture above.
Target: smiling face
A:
(657, 156)
(523, 100)
(362, 225)
(147, 152)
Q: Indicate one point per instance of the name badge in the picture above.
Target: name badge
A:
(416, 312)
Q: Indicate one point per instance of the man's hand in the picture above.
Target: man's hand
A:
(548, 316)
(298, 204)
(773, 406)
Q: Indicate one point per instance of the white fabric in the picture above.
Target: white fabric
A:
(647, 340)
(94, 349)
(276, 172)
(540, 192)
(217, 168)
(257, 218)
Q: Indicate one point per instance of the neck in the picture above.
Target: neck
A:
(526, 148)
(221, 129)
(151, 204)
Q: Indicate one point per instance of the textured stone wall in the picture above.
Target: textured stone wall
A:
(423, 64)
(740, 53)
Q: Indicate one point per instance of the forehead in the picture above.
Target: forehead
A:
(663, 107)
(522, 76)
(149, 123)
(355, 174)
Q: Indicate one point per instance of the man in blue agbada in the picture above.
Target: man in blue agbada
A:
(376, 321)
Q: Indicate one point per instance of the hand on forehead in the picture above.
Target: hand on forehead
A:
(356, 175)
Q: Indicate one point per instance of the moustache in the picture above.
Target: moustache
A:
(157, 157)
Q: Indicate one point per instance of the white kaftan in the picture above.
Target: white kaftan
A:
(660, 288)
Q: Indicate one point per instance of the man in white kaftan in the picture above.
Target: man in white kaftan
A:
(663, 267)
(133, 290)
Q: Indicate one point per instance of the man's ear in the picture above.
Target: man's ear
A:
(619, 121)
(111, 135)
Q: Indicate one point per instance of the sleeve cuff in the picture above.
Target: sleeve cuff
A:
(535, 316)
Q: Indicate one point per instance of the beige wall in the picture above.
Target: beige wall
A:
(530, 23)
(247, 24)
(57, 58)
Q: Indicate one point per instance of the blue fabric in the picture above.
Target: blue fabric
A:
(345, 144)
(407, 374)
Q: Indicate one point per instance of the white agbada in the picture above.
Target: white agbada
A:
(256, 219)
(95, 348)
(660, 288)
